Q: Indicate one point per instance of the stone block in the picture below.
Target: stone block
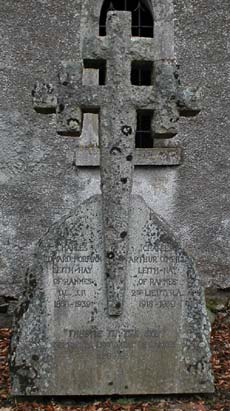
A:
(65, 342)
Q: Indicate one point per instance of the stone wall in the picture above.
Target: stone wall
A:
(201, 205)
(39, 181)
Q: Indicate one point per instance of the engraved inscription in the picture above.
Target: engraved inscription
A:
(73, 264)
(72, 277)
(161, 318)
(154, 284)
(155, 275)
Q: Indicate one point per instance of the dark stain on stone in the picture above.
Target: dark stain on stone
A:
(26, 376)
(110, 255)
(61, 107)
(126, 130)
(72, 120)
(123, 234)
(115, 150)
(129, 157)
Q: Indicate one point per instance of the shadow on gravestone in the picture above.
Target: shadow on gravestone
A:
(66, 343)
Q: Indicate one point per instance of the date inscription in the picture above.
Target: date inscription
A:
(153, 279)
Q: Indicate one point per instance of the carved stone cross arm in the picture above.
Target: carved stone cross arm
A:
(166, 96)
(172, 100)
(68, 99)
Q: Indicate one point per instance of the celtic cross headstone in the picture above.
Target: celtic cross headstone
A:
(113, 304)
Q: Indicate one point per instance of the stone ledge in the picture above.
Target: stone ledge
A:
(166, 156)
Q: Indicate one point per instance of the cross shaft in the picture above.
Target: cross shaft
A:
(117, 103)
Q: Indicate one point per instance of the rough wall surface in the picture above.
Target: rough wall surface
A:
(39, 181)
(201, 205)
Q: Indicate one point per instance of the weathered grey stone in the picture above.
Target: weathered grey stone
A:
(67, 344)
(7, 308)
(117, 103)
(38, 182)
(90, 127)
(45, 100)
(165, 156)
(119, 49)
(128, 262)
(109, 282)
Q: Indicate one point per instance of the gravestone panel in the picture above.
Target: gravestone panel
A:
(66, 343)
(112, 304)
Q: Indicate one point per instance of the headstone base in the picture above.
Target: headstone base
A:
(66, 344)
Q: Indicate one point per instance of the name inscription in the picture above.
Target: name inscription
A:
(76, 274)
(154, 275)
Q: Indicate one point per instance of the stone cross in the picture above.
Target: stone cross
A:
(117, 103)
